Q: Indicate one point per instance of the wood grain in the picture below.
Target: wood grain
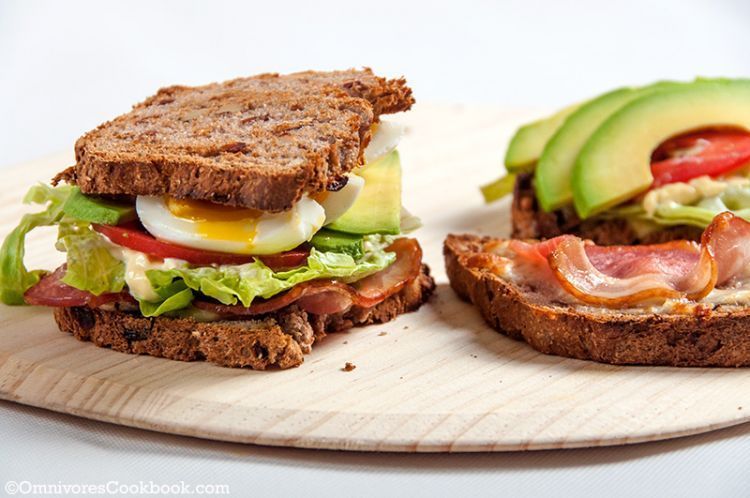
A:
(437, 380)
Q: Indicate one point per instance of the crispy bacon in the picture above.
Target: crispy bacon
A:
(621, 276)
(52, 291)
(728, 236)
(317, 296)
(329, 296)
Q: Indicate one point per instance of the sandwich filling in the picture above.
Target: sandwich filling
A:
(658, 156)
(179, 257)
(676, 275)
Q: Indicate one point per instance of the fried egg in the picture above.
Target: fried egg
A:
(214, 227)
(337, 203)
(385, 137)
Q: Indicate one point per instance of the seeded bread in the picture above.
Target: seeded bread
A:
(275, 340)
(259, 142)
(530, 221)
(703, 337)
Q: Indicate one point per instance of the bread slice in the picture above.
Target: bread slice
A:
(701, 337)
(259, 142)
(278, 339)
(529, 221)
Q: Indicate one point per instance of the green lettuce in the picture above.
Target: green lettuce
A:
(499, 188)
(735, 199)
(233, 284)
(15, 278)
(90, 264)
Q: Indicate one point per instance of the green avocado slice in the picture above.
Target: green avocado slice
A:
(378, 207)
(614, 164)
(347, 243)
(529, 140)
(87, 208)
(555, 165)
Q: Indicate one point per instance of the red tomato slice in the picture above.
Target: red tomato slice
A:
(709, 153)
(134, 237)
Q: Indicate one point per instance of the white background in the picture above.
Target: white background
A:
(67, 66)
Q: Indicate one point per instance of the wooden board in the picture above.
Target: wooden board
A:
(436, 380)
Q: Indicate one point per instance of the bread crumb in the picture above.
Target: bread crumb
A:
(382, 334)
(349, 366)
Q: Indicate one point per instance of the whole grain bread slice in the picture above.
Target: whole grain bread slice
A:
(703, 337)
(530, 221)
(259, 142)
(276, 340)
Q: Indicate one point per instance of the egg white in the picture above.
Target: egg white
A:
(337, 203)
(386, 138)
(270, 233)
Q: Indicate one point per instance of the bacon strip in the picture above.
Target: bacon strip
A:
(728, 237)
(324, 296)
(624, 276)
(52, 291)
(621, 276)
(329, 296)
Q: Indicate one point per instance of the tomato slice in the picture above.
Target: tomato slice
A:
(709, 153)
(134, 237)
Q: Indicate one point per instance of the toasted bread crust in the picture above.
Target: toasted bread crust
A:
(259, 142)
(530, 221)
(279, 339)
(709, 338)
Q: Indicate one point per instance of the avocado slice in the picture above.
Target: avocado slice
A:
(529, 140)
(330, 240)
(378, 207)
(555, 165)
(499, 188)
(614, 164)
(86, 208)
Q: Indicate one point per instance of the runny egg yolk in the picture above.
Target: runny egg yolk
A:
(321, 196)
(216, 221)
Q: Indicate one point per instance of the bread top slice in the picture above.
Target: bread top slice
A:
(259, 142)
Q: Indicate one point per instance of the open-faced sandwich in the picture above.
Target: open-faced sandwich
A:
(635, 165)
(667, 166)
(236, 222)
(681, 303)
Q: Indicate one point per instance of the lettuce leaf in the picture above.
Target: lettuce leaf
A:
(233, 284)
(698, 216)
(15, 278)
(735, 199)
(499, 188)
(91, 266)
(177, 301)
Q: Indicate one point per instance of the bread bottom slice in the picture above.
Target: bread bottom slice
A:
(706, 337)
(278, 339)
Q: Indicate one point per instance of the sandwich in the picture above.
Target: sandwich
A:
(236, 222)
(634, 165)
(629, 230)
(677, 303)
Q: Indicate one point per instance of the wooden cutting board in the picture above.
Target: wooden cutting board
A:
(435, 380)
